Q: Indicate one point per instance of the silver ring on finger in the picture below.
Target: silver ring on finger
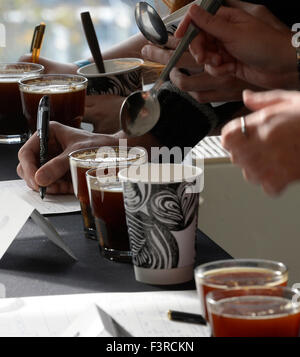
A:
(244, 127)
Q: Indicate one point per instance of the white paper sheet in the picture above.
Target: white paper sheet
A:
(142, 314)
(52, 204)
(87, 324)
(14, 213)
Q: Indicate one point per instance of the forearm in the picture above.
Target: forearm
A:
(129, 48)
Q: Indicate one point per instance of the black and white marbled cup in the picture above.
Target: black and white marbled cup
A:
(161, 204)
(122, 77)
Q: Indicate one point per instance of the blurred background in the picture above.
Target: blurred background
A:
(64, 38)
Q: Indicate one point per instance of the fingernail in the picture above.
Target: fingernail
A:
(43, 178)
(32, 183)
(144, 51)
(248, 92)
(194, 9)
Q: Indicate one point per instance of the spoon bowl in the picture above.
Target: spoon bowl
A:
(150, 24)
(139, 113)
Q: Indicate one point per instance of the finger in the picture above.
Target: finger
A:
(199, 48)
(160, 55)
(259, 100)
(61, 187)
(232, 135)
(26, 58)
(221, 70)
(41, 60)
(252, 161)
(20, 171)
(183, 26)
(273, 188)
(271, 179)
(196, 82)
(172, 42)
(221, 25)
(203, 47)
(53, 170)
(28, 160)
(30, 183)
(250, 177)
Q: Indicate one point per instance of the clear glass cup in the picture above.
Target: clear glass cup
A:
(237, 273)
(67, 98)
(107, 203)
(254, 312)
(83, 160)
(13, 124)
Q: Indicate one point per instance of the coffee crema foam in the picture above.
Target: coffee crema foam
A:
(51, 89)
(109, 187)
(90, 158)
(16, 71)
(219, 277)
(9, 80)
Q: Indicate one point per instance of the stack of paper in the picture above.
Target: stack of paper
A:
(52, 204)
(141, 314)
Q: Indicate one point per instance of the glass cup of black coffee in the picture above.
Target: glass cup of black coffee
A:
(13, 124)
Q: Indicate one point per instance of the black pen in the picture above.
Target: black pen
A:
(43, 119)
(186, 317)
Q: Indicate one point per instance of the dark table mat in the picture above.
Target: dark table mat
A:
(8, 162)
(33, 266)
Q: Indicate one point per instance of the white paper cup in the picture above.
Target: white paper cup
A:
(122, 77)
(161, 204)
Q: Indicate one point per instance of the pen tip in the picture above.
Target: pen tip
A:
(42, 193)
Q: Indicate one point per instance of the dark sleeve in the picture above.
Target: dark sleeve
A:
(183, 121)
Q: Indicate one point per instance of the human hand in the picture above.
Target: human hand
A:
(103, 112)
(55, 173)
(161, 55)
(207, 89)
(269, 154)
(245, 46)
(52, 66)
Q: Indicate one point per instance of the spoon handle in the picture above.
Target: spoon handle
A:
(92, 40)
(190, 34)
(211, 6)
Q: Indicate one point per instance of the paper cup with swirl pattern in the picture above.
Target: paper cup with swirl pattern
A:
(122, 77)
(161, 204)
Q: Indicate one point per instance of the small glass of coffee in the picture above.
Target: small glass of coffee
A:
(106, 198)
(238, 273)
(67, 95)
(254, 312)
(13, 124)
(83, 160)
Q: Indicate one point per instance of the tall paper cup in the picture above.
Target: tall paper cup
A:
(161, 204)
